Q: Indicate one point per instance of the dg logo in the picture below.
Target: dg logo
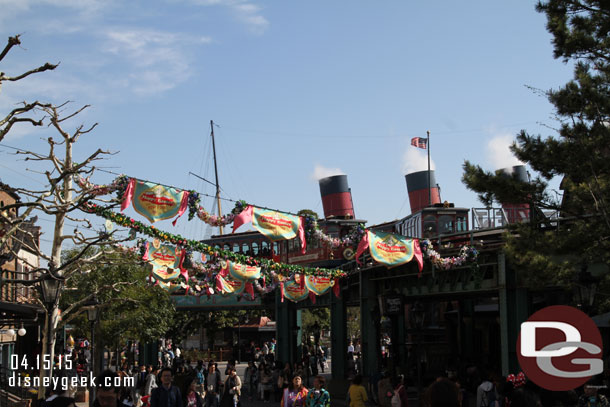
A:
(560, 348)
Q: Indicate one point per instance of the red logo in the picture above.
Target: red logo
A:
(560, 348)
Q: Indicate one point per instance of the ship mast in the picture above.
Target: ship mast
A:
(216, 173)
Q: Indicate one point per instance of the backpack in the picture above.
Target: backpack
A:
(200, 378)
(489, 398)
(395, 401)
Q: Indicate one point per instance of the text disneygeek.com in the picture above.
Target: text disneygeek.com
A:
(17, 380)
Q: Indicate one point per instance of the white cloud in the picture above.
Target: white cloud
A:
(498, 152)
(157, 61)
(415, 159)
(83, 8)
(320, 172)
(246, 12)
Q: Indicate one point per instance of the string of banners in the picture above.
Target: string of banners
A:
(228, 273)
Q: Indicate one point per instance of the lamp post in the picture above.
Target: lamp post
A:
(50, 287)
(584, 289)
(418, 313)
(92, 315)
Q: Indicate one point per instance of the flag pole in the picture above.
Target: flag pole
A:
(429, 186)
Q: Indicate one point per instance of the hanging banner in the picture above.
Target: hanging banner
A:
(318, 284)
(165, 257)
(242, 272)
(387, 248)
(226, 286)
(273, 224)
(155, 202)
(166, 261)
(294, 292)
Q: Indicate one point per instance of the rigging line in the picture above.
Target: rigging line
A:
(23, 175)
(212, 196)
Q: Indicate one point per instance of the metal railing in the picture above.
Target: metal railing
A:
(12, 394)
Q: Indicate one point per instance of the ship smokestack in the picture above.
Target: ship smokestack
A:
(516, 212)
(417, 185)
(336, 197)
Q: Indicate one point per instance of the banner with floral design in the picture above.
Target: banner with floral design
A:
(242, 272)
(294, 291)
(155, 202)
(389, 248)
(318, 284)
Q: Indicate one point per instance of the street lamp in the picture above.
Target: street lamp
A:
(584, 289)
(418, 313)
(49, 290)
(92, 315)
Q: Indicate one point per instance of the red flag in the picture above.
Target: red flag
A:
(419, 142)
(312, 297)
(302, 234)
(362, 246)
(244, 217)
(183, 205)
(336, 288)
(128, 195)
(418, 255)
(145, 257)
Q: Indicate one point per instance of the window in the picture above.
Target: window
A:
(245, 248)
(227, 247)
(445, 224)
(255, 248)
(429, 225)
(235, 248)
(460, 224)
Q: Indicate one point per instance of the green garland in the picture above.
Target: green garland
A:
(285, 270)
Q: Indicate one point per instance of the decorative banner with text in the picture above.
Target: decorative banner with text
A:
(294, 292)
(390, 249)
(242, 272)
(155, 202)
(318, 284)
(166, 261)
(274, 225)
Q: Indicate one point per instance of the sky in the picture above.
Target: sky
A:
(298, 90)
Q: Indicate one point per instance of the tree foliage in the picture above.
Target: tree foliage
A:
(130, 308)
(577, 153)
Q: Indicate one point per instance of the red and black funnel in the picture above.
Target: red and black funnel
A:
(417, 185)
(336, 197)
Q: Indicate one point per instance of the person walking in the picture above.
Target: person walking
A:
(251, 379)
(190, 396)
(295, 394)
(318, 396)
(400, 393)
(166, 395)
(200, 378)
(151, 381)
(139, 379)
(232, 389)
(357, 393)
(212, 386)
(106, 392)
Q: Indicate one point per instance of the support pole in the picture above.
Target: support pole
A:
(216, 173)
